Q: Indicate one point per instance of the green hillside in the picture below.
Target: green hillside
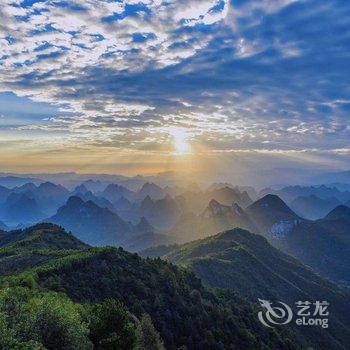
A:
(248, 265)
(43, 236)
(100, 298)
(36, 245)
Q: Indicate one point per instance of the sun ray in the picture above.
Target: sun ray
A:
(180, 141)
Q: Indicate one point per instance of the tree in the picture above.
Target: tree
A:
(58, 323)
(147, 336)
(111, 327)
(35, 320)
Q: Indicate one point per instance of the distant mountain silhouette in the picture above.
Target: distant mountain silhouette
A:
(144, 226)
(48, 190)
(215, 217)
(272, 216)
(80, 189)
(25, 188)
(146, 204)
(196, 202)
(227, 216)
(114, 192)
(290, 193)
(11, 181)
(87, 195)
(4, 193)
(162, 213)
(227, 196)
(340, 176)
(98, 226)
(152, 190)
(20, 208)
(91, 223)
(123, 204)
(147, 236)
(47, 195)
(94, 186)
(312, 207)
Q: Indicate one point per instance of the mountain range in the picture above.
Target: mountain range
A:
(100, 226)
(322, 244)
(218, 250)
(290, 193)
(119, 216)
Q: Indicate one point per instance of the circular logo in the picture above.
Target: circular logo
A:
(274, 315)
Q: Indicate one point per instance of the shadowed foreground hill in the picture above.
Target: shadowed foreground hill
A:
(182, 310)
(248, 265)
(323, 244)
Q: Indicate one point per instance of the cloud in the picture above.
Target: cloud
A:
(236, 74)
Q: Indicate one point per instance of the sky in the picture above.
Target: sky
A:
(214, 86)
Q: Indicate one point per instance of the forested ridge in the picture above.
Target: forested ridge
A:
(107, 298)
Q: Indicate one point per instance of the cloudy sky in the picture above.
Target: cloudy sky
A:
(135, 86)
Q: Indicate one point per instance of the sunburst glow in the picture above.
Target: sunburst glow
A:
(180, 141)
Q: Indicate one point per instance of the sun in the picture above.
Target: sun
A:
(180, 141)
